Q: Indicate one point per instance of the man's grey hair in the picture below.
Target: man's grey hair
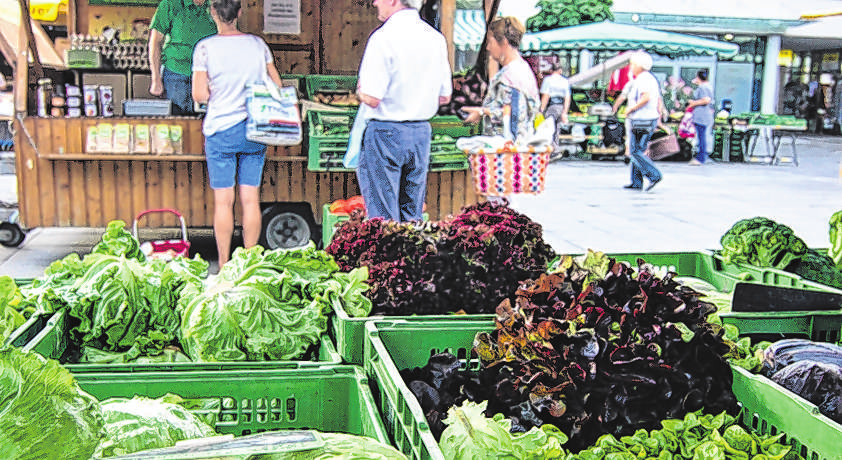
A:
(412, 4)
(641, 58)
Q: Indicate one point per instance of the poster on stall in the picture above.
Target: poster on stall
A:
(282, 17)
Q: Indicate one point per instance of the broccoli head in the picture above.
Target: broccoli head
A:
(762, 242)
(835, 250)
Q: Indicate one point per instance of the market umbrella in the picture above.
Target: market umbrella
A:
(609, 36)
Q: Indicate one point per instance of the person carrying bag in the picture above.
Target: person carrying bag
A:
(232, 70)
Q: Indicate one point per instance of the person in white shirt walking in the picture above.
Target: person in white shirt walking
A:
(643, 96)
(404, 77)
(556, 96)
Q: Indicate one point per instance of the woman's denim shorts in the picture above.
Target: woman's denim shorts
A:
(231, 156)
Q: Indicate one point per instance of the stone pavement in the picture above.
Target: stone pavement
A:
(584, 206)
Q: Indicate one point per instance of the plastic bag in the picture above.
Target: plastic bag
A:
(686, 128)
(273, 116)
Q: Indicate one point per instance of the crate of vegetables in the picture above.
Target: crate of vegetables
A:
(105, 415)
(22, 319)
(127, 313)
(765, 251)
(347, 329)
(337, 90)
(327, 139)
(400, 356)
(54, 342)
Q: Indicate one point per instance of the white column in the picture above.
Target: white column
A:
(769, 91)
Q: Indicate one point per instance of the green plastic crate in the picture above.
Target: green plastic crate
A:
(452, 126)
(392, 346)
(53, 340)
(769, 276)
(330, 83)
(819, 326)
(768, 408)
(330, 398)
(349, 335)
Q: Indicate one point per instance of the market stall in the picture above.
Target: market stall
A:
(614, 39)
(63, 181)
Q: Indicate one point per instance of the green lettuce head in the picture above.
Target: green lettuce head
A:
(43, 412)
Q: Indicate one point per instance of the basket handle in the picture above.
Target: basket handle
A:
(162, 210)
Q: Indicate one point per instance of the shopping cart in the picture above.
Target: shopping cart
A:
(164, 249)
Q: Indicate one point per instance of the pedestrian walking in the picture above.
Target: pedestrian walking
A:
(556, 96)
(702, 105)
(404, 76)
(642, 111)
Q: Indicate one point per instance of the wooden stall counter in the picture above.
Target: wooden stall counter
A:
(64, 182)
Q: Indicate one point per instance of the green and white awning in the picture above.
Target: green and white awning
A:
(610, 36)
(468, 30)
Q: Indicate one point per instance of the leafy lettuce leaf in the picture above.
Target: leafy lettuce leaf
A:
(472, 435)
(263, 305)
(121, 303)
(43, 412)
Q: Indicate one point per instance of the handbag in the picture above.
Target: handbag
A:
(686, 128)
(273, 116)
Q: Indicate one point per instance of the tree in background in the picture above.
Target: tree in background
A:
(563, 13)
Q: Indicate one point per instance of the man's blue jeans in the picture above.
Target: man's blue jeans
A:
(392, 174)
(178, 89)
(642, 165)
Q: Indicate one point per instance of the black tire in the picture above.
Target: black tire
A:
(287, 225)
(11, 235)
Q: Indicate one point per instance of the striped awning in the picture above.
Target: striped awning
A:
(468, 30)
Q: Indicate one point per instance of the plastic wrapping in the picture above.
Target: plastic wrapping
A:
(140, 423)
(819, 383)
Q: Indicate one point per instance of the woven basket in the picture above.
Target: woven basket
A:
(507, 173)
(663, 147)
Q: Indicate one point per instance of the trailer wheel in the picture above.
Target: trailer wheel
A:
(11, 235)
(287, 225)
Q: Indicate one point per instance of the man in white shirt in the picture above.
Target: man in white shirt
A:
(643, 115)
(404, 77)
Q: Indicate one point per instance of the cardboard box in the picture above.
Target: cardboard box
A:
(118, 84)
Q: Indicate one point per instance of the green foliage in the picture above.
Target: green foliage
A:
(43, 413)
(472, 435)
(268, 305)
(10, 301)
(564, 13)
(697, 437)
(835, 250)
(762, 242)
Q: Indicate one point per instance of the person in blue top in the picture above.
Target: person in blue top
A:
(176, 28)
(703, 108)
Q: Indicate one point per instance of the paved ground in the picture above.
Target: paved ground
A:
(585, 206)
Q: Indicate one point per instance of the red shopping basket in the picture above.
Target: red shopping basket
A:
(164, 249)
